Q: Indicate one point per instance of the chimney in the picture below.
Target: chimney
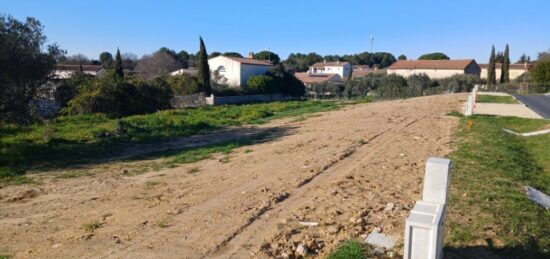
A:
(251, 55)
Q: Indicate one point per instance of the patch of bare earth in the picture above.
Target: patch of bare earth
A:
(340, 170)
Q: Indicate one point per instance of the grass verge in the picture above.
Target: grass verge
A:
(86, 138)
(495, 99)
(488, 206)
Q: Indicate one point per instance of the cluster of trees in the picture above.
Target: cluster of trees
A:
(26, 63)
(504, 59)
(276, 80)
(434, 56)
(393, 86)
(301, 62)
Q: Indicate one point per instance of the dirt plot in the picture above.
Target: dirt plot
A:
(350, 171)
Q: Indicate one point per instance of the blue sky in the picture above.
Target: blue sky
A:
(461, 29)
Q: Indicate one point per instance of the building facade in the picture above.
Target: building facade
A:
(516, 70)
(234, 71)
(340, 68)
(434, 68)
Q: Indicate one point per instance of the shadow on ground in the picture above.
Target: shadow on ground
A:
(63, 154)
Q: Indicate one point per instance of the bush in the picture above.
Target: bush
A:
(460, 83)
(261, 84)
(418, 83)
(65, 90)
(112, 95)
(183, 84)
(392, 86)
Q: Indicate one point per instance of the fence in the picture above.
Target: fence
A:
(518, 88)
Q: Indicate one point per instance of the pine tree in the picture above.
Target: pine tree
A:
(505, 70)
(118, 65)
(349, 86)
(491, 74)
(203, 70)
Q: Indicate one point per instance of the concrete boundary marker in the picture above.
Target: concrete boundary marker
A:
(528, 134)
(424, 228)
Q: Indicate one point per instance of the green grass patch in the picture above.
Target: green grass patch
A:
(66, 141)
(351, 249)
(90, 227)
(488, 203)
(495, 99)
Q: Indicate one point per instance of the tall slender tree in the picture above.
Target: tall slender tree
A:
(505, 69)
(348, 90)
(118, 64)
(203, 70)
(491, 74)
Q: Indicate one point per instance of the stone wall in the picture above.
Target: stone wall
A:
(184, 101)
(213, 100)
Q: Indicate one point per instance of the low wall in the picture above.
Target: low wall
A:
(215, 100)
(184, 101)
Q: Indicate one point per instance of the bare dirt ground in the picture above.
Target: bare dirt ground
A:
(340, 169)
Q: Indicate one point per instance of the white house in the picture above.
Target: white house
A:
(310, 79)
(340, 68)
(235, 71)
(516, 70)
(434, 68)
(63, 71)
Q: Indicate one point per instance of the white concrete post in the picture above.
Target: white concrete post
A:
(424, 229)
(469, 106)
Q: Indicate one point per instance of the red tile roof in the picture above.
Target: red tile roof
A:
(250, 61)
(459, 64)
(308, 78)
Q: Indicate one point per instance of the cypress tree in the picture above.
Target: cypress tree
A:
(203, 70)
(118, 65)
(491, 74)
(505, 70)
(349, 86)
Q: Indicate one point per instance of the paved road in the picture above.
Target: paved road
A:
(538, 103)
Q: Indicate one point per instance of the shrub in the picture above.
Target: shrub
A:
(286, 82)
(460, 83)
(183, 84)
(116, 96)
(261, 84)
(418, 83)
(392, 86)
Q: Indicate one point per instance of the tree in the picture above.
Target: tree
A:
(434, 56)
(118, 65)
(268, 55)
(129, 61)
(156, 64)
(232, 54)
(106, 59)
(499, 57)
(505, 69)
(524, 59)
(214, 54)
(491, 73)
(183, 58)
(203, 70)
(348, 90)
(24, 65)
(402, 57)
(261, 84)
(541, 72)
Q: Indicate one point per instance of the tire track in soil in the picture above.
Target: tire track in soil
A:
(233, 246)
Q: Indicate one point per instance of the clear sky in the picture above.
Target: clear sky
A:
(461, 29)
